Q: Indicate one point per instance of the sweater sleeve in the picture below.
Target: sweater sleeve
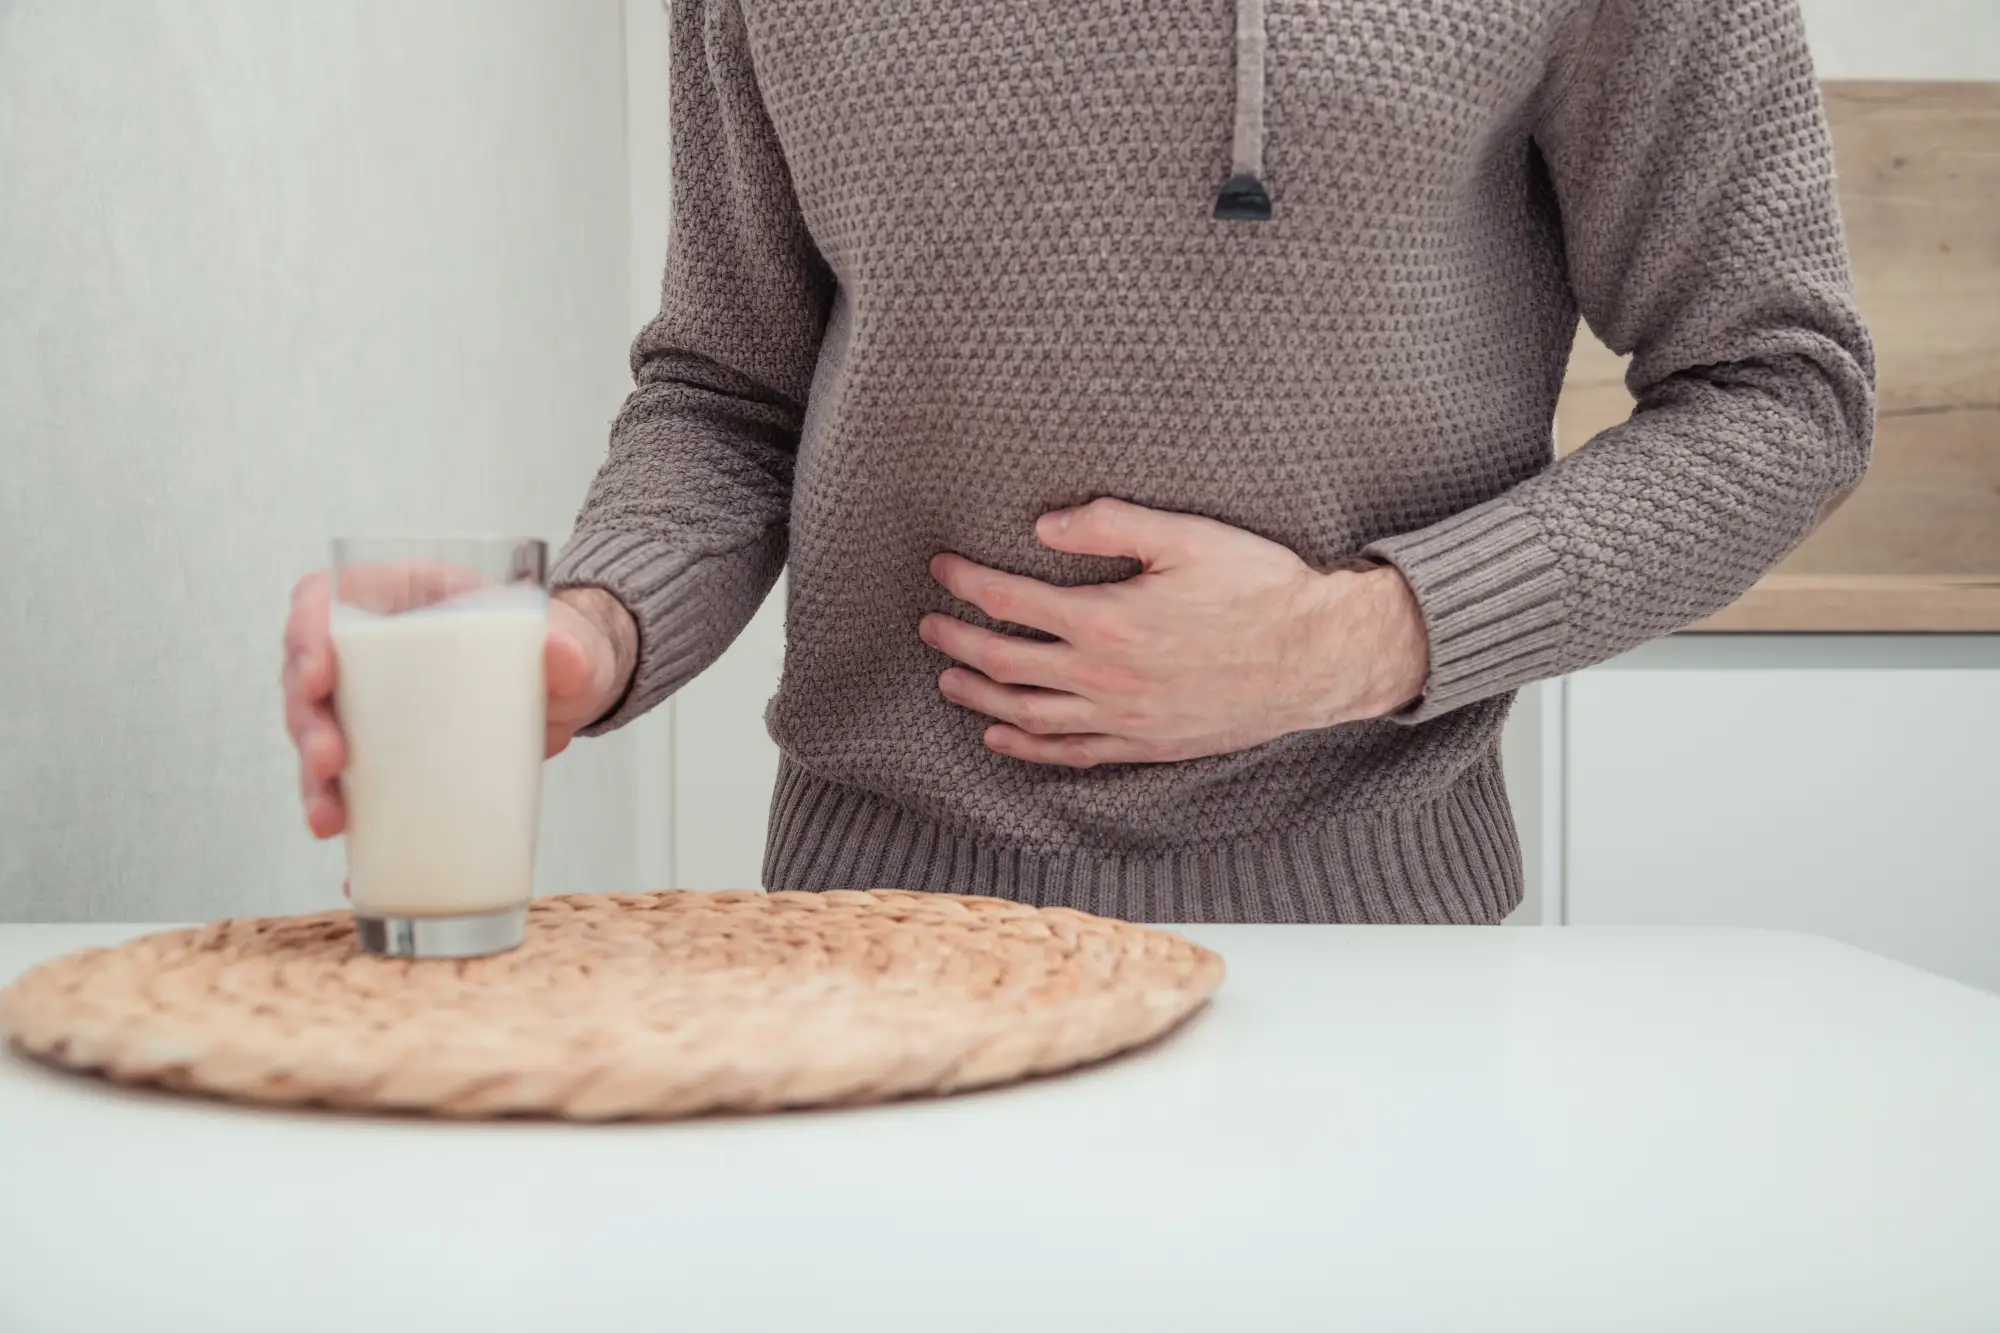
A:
(1691, 164)
(686, 520)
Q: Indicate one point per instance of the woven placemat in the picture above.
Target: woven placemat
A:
(621, 1005)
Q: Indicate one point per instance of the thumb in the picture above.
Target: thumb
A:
(1156, 538)
(565, 664)
(570, 669)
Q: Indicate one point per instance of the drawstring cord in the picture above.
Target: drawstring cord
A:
(1243, 197)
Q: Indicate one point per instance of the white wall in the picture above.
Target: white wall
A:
(1910, 39)
(271, 270)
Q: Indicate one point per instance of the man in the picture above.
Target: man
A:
(1153, 406)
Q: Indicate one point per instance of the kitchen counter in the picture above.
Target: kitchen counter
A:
(1371, 1128)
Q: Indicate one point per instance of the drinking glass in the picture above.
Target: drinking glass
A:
(439, 690)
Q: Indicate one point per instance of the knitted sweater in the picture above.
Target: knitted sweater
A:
(1309, 268)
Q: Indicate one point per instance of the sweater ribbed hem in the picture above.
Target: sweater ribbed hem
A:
(674, 595)
(1453, 859)
(1491, 596)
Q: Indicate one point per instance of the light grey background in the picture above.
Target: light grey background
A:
(1912, 39)
(269, 272)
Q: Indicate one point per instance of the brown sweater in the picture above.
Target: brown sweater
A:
(936, 269)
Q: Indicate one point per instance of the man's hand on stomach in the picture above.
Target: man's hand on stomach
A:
(1223, 641)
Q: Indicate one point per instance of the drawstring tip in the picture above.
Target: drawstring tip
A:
(1243, 199)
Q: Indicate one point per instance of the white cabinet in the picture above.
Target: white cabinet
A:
(1845, 787)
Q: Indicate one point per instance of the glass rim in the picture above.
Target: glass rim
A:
(440, 538)
(510, 560)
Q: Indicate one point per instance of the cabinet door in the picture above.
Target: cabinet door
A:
(1862, 804)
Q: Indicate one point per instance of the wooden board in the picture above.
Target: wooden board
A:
(1918, 546)
(1864, 604)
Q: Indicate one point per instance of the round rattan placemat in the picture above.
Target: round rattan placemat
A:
(621, 1005)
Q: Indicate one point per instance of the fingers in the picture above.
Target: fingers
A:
(326, 811)
(322, 749)
(322, 756)
(309, 661)
(1040, 712)
(308, 679)
(1001, 657)
(580, 666)
(1069, 751)
(405, 585)
(1008, 597)
(1156, 538)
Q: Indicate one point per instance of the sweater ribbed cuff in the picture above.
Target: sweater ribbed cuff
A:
(1491, 595)
(1451, 857)
(658, 584)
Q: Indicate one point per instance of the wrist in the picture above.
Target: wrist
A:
(1367, 642)
(1403, 662)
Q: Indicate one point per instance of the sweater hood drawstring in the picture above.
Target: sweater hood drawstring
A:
(1243, 197)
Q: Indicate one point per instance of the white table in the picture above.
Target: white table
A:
(1371, 1129)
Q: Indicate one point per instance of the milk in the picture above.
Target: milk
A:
(443, 713)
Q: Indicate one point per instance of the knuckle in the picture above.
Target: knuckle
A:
(1116, 633)
(1032, 715)
(1001, 663)
(1091, 678)
(1115, 681)
(1098, 619)
(996, 599)
(1137, 720)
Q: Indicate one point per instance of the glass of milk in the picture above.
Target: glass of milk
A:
(440, 695)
